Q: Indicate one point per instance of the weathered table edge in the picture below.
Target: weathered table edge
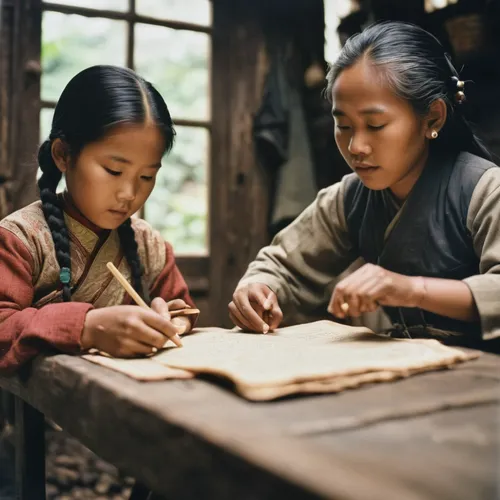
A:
(211, 453)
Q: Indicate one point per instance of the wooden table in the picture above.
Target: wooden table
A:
(432, 436)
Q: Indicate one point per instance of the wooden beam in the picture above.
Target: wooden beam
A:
(130, 17)
(131, 36)
(181, 122)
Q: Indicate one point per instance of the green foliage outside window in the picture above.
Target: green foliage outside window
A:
(177, 63)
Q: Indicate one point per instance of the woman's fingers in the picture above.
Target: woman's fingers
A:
(237, 318)
(248, 314)
(349, 296)
(274, 313)
(255, 307)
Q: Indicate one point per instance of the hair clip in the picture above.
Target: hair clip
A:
(459, 97)
(459, 85)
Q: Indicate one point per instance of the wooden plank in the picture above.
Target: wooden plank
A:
(29, 430)
(191, 439)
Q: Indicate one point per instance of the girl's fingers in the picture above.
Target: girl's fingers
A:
(162, 325)
(182, 324)
(130, 348)
(159, 306)
(149, 336)
(177, 304)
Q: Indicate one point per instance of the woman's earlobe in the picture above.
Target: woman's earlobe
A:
(436, 117)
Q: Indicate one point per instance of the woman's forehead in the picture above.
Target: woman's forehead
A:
(363, 87)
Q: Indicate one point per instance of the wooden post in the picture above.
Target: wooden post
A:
(239, 189)
(30, 451)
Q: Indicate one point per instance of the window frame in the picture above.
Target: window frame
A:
(195, 268)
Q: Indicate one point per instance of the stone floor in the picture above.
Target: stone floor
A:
(73, 472)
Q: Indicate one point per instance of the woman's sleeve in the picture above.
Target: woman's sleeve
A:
(24, 330)
(306, 256)
(483, 223)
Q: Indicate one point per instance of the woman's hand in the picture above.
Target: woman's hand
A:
(371, 286)
(255, 308)
(127, 331)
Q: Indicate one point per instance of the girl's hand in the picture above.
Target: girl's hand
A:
(127, 331)
(371, 286)
(182, 323)
(255, 308)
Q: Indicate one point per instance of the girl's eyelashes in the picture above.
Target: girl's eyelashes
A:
(117, 173)
(112, 172)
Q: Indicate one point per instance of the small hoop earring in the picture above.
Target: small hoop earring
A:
(434, 134)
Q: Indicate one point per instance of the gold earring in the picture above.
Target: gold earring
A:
(434, 134)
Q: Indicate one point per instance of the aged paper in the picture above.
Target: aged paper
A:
(323, 356)
(140, 369)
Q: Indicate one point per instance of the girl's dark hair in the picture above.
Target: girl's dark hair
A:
(95, 100)
(414, 63)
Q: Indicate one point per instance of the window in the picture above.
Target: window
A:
(168, 42)
(335, 11)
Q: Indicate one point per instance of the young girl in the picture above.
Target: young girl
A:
(109, 133)
(422, 206)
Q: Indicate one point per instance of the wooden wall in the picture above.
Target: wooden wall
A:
(240, 188)
(19, 102)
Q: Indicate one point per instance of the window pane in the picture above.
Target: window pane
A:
(177, 63)
(178, 206)
(118, 5)
(45, 123)
(46, 115)
(189, 11)
(71, 43)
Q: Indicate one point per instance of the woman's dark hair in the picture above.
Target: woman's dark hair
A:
(414, 63)
(95, 100)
